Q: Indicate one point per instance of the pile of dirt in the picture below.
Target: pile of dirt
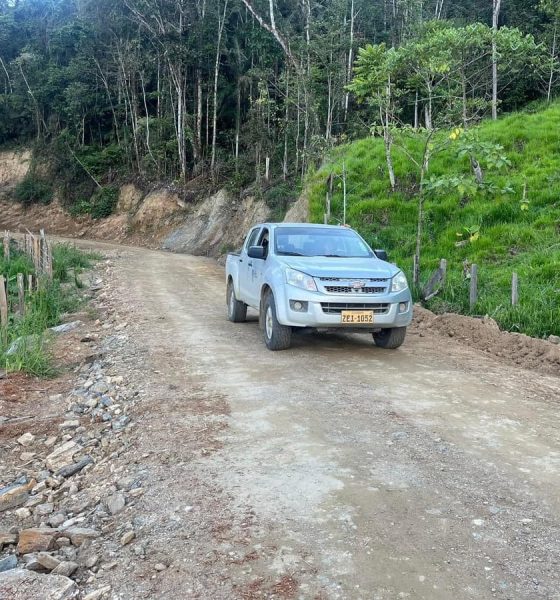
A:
(485, 335)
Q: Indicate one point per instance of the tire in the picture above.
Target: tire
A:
(390, 338)
(236, 310)
(276, 336)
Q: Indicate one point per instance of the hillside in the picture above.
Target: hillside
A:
(501, 233)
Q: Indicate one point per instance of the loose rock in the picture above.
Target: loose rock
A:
(23, 513)
(72, 469)
(15, 494)
(22, 584)
(97, 594)
(62, 455)
(7, 539)
(127, 538)
(36, 539)
(65, 568)
(47, 560)
(8, 563)
(26, 439)
(115, 503)
(78, 535)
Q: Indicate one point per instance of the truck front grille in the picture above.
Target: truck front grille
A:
(345, 285)
(336, 289)
(335, 308)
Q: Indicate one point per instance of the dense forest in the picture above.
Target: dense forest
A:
(250, 90)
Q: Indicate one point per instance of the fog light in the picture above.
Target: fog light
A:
(403, 307)
(298, 305)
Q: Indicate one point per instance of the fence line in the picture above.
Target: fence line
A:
(39, 251)
(436, 283)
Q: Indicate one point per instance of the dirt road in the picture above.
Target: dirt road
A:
(334, 469)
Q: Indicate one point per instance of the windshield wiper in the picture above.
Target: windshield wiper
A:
(291, 254)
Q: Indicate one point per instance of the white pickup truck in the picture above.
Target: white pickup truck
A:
(316, 277)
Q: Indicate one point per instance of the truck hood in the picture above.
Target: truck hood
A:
(359, 268)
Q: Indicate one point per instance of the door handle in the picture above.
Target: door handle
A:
(240, 260)
(250, 264)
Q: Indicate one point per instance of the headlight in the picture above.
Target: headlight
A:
(300, 280)
(399, 282)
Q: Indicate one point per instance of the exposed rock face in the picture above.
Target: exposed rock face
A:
(156, 208)
(13, 168)
(129, 198)
(217, 225)
(299, 212)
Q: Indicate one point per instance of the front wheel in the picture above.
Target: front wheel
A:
(236, 310)
(276, 336)
(390, 338)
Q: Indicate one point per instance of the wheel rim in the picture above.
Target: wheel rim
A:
(268, 322)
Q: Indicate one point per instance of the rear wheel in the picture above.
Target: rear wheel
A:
(276, 336)
(390, 338)
(236, 310)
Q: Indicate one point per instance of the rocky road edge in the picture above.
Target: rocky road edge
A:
(60, 507)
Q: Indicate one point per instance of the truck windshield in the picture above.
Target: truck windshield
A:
(315, 241)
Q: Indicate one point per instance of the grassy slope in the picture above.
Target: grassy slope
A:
(510, 239)
(43, 308)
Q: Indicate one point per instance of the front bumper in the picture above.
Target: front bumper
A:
(316, 317)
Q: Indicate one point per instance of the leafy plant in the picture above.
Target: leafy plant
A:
(33, 190)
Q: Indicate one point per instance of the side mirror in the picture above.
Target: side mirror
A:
(381, 255)
(256, 252)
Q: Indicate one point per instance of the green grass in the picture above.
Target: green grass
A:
(44, 308)
(511, 239)
(68, 258)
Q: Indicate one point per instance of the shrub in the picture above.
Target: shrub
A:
(33, 190)
(104, 202)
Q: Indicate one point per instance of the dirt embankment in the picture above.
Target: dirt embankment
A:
(485, 335)
(178, 219)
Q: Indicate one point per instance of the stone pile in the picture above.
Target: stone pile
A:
(67, 497)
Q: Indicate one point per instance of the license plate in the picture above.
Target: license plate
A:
(357, 317)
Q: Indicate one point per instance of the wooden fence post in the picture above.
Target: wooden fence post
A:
(37, 253)
(3, 303)
(473, 295)
(21, 294)
(30, 283)
(443, 270)
(514, 290)
(7, 245)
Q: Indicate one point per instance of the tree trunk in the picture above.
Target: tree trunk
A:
(221, 23)
(350, 60)
(286, 127)
(496, 4)
(464, 99)
(420, 224)
(552, 63)
(237, 124)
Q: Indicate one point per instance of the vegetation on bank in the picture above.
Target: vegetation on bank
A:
(244, 91)
(511, 224)
(24, 344)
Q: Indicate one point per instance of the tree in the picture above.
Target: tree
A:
(373, 75)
